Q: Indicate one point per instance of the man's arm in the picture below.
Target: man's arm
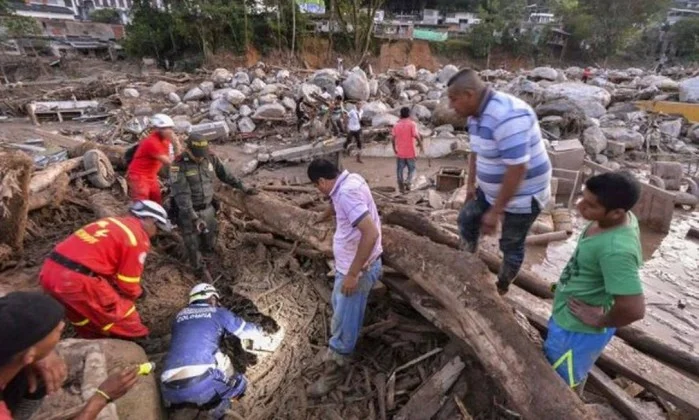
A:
(128, 278)
(418, 137)
(369, 235)
(235, 325)
(626, 310)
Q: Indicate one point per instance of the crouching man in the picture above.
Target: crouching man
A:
(195, 370)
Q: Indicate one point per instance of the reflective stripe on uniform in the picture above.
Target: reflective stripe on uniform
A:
(127, 279)
(81, 323)
(568, 358)
(129, 233)
(108, 326)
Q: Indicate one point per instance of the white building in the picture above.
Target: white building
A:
(459, 18)
(541, 18)
(431, 17)
(675, 15)
(47, 9)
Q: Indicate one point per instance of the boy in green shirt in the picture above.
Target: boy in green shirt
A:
(600, 289)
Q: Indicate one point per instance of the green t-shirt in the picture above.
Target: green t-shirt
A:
(602, 266)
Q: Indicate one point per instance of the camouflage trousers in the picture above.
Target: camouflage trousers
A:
(196, 241)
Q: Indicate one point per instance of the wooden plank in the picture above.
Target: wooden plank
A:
(623, 359)
(429, 397)
(619, 399)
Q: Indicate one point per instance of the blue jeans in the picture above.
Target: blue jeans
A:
(514, 232)
(214, 388)
(572, 354)
(401, 164)
(348, 311)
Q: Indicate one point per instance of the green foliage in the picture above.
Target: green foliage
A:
(20, 26)
(481, 40)
(105, 16)
(685, 38)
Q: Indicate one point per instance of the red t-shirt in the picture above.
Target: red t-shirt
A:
(405, 132)
(4, 412)
(144, 163)
(115, 247)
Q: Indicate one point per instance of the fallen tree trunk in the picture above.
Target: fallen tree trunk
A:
(53, 195)
(268, 239)
(623, 359)
(42, 179)
(15, 176)
(618, 398)
(480, 318)
(534, 284)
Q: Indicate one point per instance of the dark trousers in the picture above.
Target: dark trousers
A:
(514, 232)
(401, 164)
(352, 135)
(196, 241)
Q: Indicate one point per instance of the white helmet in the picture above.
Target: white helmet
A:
(162, 121)
(202, 291)
(150, 209)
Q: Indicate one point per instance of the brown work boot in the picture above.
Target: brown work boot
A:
(359, 158)
(332, 376)
(401, 187)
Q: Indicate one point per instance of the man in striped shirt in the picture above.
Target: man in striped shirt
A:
(509, 161)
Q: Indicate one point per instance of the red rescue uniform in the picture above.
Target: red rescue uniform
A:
(96, 274)
(142, 173)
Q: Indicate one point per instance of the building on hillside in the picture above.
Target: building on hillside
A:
(83, 8)
(675, 15)
(461, 22)
(431, 17)
(394, 29)
(45, 9)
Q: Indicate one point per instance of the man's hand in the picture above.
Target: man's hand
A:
(120, 382)
(350, 284)
(250, 190)
(52, 370)
(588, 315)
(489, 222)
(470, 193)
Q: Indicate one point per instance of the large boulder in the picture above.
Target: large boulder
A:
(671, 129)
(241, 78)
(274, 110)
(373, 87)
(384, 120)
(373, 109)
(563, 106)
(220, 107)
(289, 103)
(444, 114)
(689, 90)
(245, 111)
(194, 94)
(271, 88)
(245, 125)
(163, 88)
(630, 138)
(421, 113)
(207, 87)
(221, 76)
(234, 97)
(257, 85)
(593, 140)
(356, 86)
(267, 99)
(409, 71)
(574, 72)
(308, 90)
(523, 88)
(174, 98)
(446, 73)
(545, 73)
(220, 93)
(130, 93)
(578, 91)
(660, 82)
(325, 79)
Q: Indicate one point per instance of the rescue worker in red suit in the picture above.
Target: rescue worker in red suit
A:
(96, 272)
(159, 148)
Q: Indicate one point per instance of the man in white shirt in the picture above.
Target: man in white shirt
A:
(338, 90)
(354, 129)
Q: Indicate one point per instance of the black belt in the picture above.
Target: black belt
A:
(186, 382)
(71, 265)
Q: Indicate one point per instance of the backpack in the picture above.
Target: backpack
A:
(130, 153)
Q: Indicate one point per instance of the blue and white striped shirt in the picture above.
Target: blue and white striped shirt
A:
(505, 133)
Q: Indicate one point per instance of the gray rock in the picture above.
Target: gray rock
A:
(194, 94)
(613, 166)
(259, 73)
(693, 133)
(601, 159)
(221, 76)
(430, 104)
(257, 85)
(220, 93)
(631, 139)
(245, 111)
(546, 73)
(181, 109)
(307, 91)
(245, 89)
(530, 92)
(373, 109)
(594, 141)
(220, 107)
(356, 86)
(421, 113)
(249, 167)
(272, 88)
(578, 91)
(163, 88)
(446, 73)
(419, 86)
(634, 72)
(373, 87)
(242, 78)
(434, 95)
(289, 103)
(267, 99)
(660, 82)
(558, 107)
(446, 128)
(143, 110)
(282, 75)
(444, 114)
(235, 97)
(615, 148)
(174, 98)
(130, 93)
(384, 120)
(245, 125)
(574, 72)
(689, 90)
(409, 71)
(274, 110)
(671, 129)
(206, 87)
(435, 200)
(325, 79)
(251, 148)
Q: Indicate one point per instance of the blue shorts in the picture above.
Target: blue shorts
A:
(573, 354)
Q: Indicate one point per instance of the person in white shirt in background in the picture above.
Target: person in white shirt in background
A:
(354, 128)
(340, 66)
(338, 90)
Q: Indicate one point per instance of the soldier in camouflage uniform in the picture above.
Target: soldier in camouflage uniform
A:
(192, 184)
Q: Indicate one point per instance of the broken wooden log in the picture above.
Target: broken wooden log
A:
(42, 179)
(53, 195)
(15, 176)
(533, 283)
(617, 397)
(268, 239)
(466, 289)
(114, 153)
(481, 320)
(622, 359)
(429, 397)
(289, 188)
(546, 238)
